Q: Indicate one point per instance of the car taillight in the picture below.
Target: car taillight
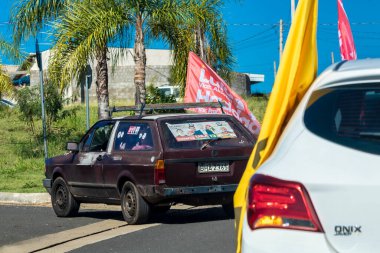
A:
(159, 172)
(277, 203)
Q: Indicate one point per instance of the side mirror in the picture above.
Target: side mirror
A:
(72, 146)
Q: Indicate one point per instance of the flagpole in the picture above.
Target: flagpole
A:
(292, 8)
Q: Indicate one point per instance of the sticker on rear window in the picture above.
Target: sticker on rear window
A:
(201, 130)
(134, 130)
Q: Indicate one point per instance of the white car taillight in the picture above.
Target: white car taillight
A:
(280, 204)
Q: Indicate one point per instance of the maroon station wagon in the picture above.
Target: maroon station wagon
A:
(148, 163)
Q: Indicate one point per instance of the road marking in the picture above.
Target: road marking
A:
(75, 244)
(75, 238)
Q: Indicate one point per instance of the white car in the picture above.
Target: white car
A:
(320, 189)
(168, 90)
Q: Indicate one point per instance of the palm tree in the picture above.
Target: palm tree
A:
(82, 34)
(85, 28)
(205, 35)
(92, 24)
(30, 16)
(173, 21)
(7, 49)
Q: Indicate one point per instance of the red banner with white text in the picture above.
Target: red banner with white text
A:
(204, 85)
(346, 41)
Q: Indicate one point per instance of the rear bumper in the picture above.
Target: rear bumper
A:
(286, 241)
(179, 191)
(195, 195)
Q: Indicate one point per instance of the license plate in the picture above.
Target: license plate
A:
(213, 167)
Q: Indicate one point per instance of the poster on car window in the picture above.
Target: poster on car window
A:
(201, 131)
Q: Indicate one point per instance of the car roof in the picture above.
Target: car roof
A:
(349, 72)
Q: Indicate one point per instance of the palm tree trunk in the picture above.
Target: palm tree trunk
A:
(102, 84)
(140, 62)
(201, 44)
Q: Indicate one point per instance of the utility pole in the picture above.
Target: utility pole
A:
(275, 70)
(292, 8)
(39, 63)
(280, 47)
(332, 58)
(87, 104)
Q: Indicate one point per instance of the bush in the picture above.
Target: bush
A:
(29, 102)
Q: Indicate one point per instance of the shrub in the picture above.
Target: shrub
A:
(29, 102)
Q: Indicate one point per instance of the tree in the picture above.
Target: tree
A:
(93, 24)
(82, 34)
(85, 28)
(30, 16)
(205, 35)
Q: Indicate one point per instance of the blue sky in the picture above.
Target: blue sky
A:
(254, 32)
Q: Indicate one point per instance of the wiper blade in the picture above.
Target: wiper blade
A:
(370, 134)
(207, 143)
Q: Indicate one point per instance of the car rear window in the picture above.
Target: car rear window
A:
(193, 133)
(348, 115)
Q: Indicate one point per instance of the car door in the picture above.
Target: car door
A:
(86, 171)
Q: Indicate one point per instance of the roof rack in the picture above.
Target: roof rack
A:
(165, 106)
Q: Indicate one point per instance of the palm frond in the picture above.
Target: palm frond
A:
(29, 16)
(11, 51)
(83, 33)
(6, 86)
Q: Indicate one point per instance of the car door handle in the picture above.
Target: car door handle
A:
(99, 158)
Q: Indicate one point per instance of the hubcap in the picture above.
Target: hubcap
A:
(130, 203)
(61, 197)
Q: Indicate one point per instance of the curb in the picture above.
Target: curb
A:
(24, 198)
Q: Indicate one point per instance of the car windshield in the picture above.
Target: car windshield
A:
(194, 133)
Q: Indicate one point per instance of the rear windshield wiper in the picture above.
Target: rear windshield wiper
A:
(370, 135)
(207, 143)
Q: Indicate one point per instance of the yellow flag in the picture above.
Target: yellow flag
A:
(296, 72)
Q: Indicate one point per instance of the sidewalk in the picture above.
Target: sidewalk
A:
(24, 198)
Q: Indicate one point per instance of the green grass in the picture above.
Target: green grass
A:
(21, 153)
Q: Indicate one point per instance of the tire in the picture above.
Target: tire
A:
(135, 209)
(63, 202)
(229, 210)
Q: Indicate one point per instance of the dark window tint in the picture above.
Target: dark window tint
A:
(349, 116)
(193, 133)
(133, 136)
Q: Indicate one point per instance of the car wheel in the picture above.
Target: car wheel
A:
(135, 209)
(63, 202)
(229, 210)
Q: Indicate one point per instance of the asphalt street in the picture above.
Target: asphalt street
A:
(182, 229)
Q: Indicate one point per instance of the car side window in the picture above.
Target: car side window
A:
(97, 139)
(131, 136)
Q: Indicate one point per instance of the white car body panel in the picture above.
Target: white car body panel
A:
(343, 183)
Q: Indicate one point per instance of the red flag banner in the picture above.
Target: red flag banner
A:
(346, 41)
(204, 85)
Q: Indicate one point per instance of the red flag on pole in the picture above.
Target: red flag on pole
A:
(204, 85)
(346, 41)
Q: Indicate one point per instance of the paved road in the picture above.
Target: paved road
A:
(183, 229)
